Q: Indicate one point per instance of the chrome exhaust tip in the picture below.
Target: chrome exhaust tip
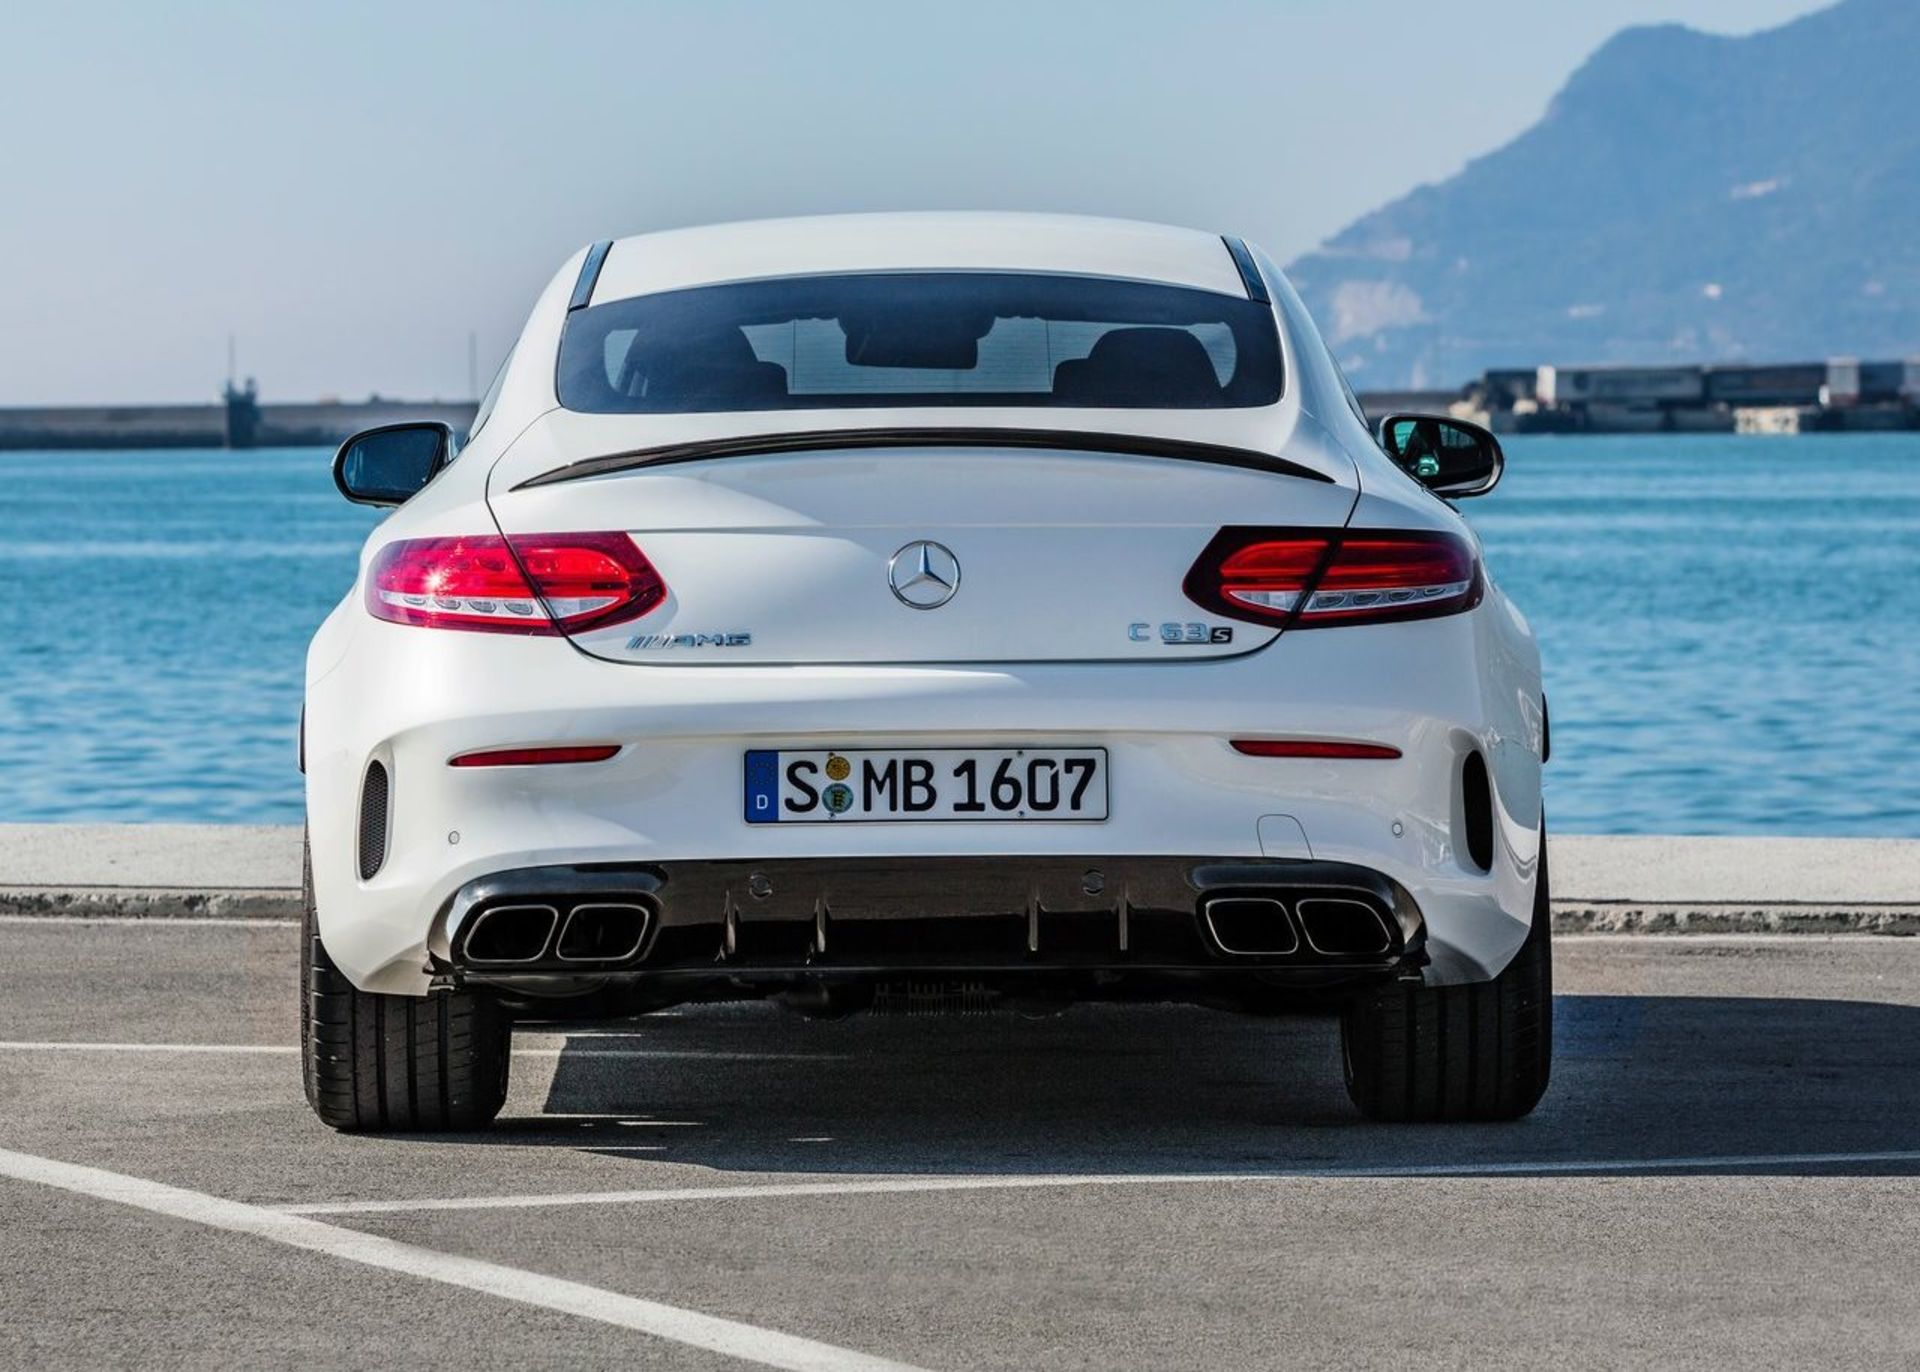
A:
(1249, 926)
(504, 935)
(1344, 928)
(603, 932)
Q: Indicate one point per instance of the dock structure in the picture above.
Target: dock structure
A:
(238, 420)
(1838, 395)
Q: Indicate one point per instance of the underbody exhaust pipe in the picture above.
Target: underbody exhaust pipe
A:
(507, 934)
(1249, 926)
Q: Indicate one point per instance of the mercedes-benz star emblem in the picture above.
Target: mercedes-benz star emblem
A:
(924, 575)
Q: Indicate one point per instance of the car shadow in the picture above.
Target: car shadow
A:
(1642, 1084)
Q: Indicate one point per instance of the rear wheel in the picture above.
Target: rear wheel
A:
(1478, 1052)
(375, 1062)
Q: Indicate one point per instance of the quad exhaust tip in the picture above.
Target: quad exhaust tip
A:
(607, 931)
(507, 934)
(590, 933)
(1344, 928)
(1264, 926)
(1250, 926)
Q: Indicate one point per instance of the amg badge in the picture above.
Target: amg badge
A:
(640, 642)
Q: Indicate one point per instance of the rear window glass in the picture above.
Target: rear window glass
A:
(920, 339)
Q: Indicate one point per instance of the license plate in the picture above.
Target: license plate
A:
(822, 785)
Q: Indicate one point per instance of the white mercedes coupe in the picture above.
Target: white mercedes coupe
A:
(919, 613)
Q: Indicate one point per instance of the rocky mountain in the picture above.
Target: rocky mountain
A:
(1687, 197)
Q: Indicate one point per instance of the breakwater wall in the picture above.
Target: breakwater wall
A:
(1837, 395)
(239, 423)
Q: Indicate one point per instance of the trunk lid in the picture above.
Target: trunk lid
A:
(884, 551)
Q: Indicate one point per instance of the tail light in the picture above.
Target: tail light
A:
(1306, 578)
(524, 584)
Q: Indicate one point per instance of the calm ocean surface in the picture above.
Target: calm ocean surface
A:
(1731, 628)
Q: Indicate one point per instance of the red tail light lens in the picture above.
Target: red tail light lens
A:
(1305, 578)
(589, 580)
(1265, 579)
(529, 584)
(1394, 576)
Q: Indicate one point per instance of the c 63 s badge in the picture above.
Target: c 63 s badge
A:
(1179, 635)
(642, 642)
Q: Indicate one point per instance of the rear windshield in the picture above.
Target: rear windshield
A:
(920, 338)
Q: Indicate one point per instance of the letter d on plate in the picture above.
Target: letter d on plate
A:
(763, 787)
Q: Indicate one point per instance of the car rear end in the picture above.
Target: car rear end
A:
(1033, 640)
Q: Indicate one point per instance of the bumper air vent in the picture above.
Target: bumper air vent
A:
(1476, 812)
(373, 821)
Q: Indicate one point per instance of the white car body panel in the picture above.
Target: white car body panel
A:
(1033, 648)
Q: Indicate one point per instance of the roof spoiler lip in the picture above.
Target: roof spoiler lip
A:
(936, 436)
(589, 277)
(1250, 277)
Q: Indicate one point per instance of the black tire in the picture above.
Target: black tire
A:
(410, 1063)
(1478, 1052)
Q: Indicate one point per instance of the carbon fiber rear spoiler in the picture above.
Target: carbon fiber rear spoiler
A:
(823, 440)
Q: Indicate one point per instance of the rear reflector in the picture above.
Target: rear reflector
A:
(1311, 747)
(529, 584)
(1304, 578)
(536, 757)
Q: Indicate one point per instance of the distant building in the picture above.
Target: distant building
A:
(1786, 397)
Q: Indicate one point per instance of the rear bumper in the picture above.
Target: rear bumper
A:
(671, 802)
(1300, 923)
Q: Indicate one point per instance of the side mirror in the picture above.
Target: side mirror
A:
(1450, 457)
(389, 465)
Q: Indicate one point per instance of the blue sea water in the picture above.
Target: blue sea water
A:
(1731, 628)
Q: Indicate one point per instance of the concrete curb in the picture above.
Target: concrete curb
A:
(121, 902)
(1585, 917)
(1607, 885)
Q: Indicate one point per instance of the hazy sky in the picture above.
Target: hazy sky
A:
(352, 188)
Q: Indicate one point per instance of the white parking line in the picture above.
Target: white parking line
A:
(696, 1054)
(749, 1343)
(47, 1046)
(720, 1055)
(908, 1185)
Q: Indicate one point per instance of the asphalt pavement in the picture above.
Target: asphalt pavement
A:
(1726, 1170)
